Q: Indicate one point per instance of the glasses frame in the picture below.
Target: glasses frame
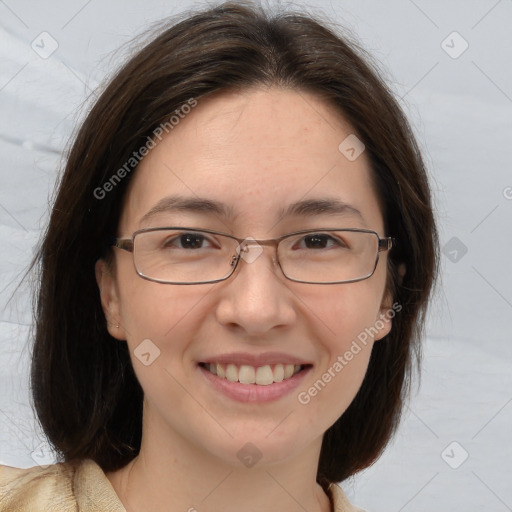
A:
(128, 244)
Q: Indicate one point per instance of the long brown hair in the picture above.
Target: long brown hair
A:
(85, 392)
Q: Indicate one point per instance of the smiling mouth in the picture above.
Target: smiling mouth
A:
(260, 375)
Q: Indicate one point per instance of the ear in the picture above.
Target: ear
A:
(383, 322)
(401, 272)
(388, 308)
(109, 299)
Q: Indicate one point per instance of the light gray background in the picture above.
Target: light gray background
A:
(461, 110)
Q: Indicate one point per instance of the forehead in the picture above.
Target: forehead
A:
(257, 152)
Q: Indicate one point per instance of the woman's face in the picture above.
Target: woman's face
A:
(255, 152)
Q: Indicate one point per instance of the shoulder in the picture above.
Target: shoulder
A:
(340, 501)
(37, 488)
(68, 486)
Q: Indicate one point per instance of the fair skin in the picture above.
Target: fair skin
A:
(257, 152)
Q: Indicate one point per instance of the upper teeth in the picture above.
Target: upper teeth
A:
(262, 375)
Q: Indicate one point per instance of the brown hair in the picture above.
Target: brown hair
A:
(85, 392)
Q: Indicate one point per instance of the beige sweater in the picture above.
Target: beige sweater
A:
(80, 487)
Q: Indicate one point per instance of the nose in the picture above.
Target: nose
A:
(256, 298)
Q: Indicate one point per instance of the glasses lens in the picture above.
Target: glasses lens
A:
(183, 256)
(188, 256)
(329, 256)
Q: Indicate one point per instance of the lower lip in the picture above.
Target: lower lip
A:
(254, 392)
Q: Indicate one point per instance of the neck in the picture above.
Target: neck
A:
(171, 475)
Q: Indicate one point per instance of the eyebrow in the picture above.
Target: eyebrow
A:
(176, 203)
(303, 208)
(321, 206)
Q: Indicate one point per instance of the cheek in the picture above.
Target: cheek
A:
(160, 320)
(348, 311)
(152, 309)
(333, 387)
(332, 391)
(161, 323)
(347, 319)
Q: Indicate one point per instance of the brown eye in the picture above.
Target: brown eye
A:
(186, 241)
(191, 241)
(321, 241)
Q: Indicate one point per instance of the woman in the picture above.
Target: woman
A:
(234, 278)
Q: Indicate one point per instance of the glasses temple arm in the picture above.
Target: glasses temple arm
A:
(385, 244)
(123, 243)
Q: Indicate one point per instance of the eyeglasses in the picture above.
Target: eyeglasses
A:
(179, 255)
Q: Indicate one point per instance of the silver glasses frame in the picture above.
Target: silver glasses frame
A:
(128, 244)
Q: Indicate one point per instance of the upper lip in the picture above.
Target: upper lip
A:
(244, 358)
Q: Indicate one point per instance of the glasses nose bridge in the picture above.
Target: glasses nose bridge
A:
(270, 242)
(248, 242)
